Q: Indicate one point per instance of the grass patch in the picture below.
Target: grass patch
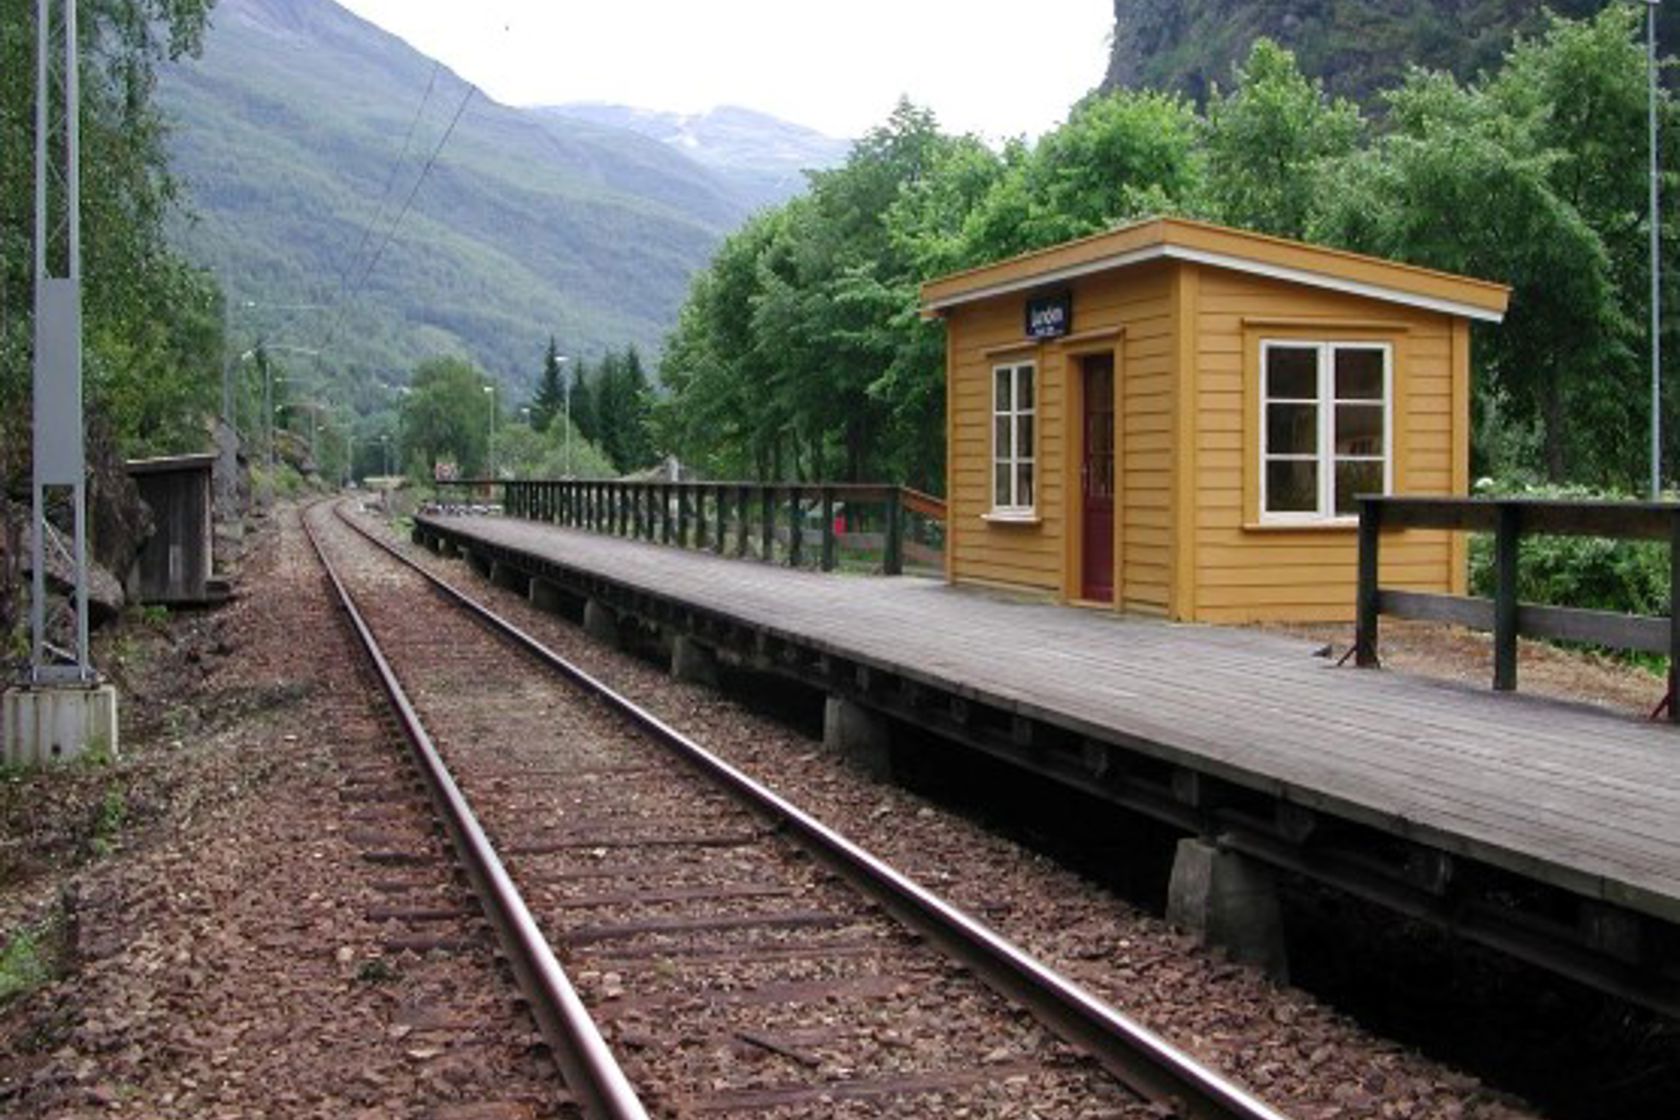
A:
(108, 822)
(24, 965)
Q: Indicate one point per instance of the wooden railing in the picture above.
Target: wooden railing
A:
(1509, 520)
(766, 521)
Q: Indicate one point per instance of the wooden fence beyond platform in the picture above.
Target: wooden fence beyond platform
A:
(1509, 520)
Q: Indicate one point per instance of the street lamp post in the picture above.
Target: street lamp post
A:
(490, 453)
(561, 360)
(1656, 271)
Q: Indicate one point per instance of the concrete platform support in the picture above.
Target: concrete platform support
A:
(509, 577)
(478, 562)
(446, 548)
(545, 596)
(1229, 901)
(57, 723)
(858, 734)
(693, 663)
(600, 622)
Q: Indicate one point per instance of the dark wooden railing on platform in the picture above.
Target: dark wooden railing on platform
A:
(743, 519)
(1509, 520)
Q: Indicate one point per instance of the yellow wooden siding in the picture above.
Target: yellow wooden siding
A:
(984, 335)
(1008, 555)
(1249, 573)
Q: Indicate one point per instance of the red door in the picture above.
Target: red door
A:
(1097, 478)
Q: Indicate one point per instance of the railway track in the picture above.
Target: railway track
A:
(738, 956)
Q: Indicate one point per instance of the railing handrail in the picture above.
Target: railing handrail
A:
(1630, 520)
(665, 511)
(858, 491)
(1511, 519)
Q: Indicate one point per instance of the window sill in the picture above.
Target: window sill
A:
(1012, 518)
(1327, 525)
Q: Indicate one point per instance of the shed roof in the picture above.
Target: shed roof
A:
(167, 464)
(1224, 247)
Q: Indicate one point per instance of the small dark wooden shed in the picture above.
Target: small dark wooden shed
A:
(175, 564)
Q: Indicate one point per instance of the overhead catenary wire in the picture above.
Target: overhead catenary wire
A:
(408, 203)
(390, 182)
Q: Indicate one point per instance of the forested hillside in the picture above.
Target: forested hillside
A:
(299, 137)
(800, 352)
(1358, 49)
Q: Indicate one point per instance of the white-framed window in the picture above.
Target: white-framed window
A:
(1326, 429)
(1014, 438)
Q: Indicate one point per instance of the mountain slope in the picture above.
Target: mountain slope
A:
(287, 132)
(763, 157)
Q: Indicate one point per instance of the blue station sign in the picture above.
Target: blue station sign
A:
(1050, 316)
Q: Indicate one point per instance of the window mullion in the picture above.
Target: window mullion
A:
(1326, 429)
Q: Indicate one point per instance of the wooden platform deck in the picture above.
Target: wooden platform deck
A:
(1577, 798)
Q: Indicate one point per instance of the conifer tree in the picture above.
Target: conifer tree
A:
(551, 393)
(585, 414)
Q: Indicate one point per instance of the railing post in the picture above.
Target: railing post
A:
(767, 522)
(1674, 618)
(741, 527)
(796, 530)
(721, 497)
(682, 516)
(665, 513)
(1368, 605)
(620, 514)
(700, 517)
(1506, 539)
(892, 560)
(828, 542)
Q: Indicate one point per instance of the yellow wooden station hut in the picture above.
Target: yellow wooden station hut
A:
(1174, 417)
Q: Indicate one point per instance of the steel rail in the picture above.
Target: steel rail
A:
(1142, 1060)
(592, 1073)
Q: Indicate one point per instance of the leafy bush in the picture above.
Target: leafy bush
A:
(1591, 572)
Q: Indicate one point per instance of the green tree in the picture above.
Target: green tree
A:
(582, 407)
(1267, 142)
(1526, 178)
(445, 417)
(1118, 156)
(550, 400)
(150, 337)
(621, 395)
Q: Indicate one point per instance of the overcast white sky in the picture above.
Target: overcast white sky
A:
(838, 66)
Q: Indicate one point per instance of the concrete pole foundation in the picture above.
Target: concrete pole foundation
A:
(693, 663)
(1228, 901)
(859, 735)
(600, 622)
(57, 723)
